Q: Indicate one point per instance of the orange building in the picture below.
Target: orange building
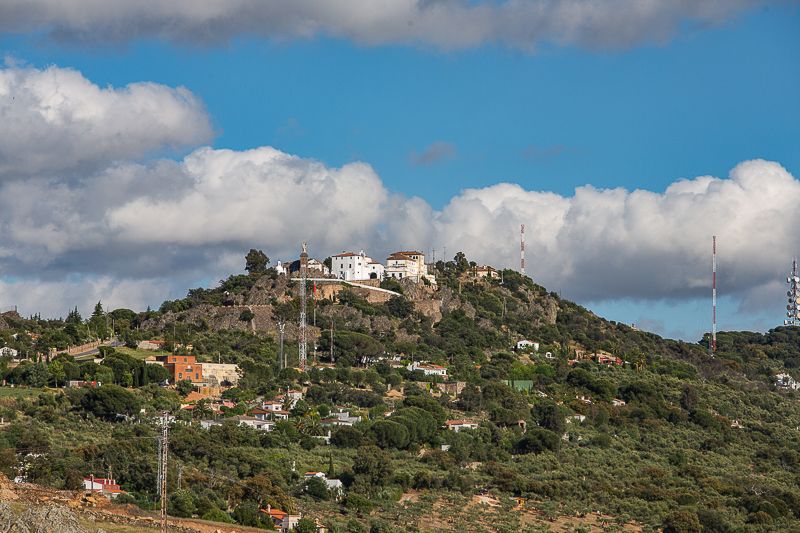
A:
(183, 367)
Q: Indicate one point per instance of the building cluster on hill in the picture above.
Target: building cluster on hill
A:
(352, 266)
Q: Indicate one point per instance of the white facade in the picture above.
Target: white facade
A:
(458, 425)
(785, 381)
(408, 265)
(521, 345)
(428, 369)
(315, 267)
(6, 351)
(350, 266)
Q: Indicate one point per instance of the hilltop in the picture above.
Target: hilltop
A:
(430, 414)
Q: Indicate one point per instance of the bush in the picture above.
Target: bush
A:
(538, 440)
(682, 522)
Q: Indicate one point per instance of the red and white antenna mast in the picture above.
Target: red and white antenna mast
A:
(522, 249)
(713, 346)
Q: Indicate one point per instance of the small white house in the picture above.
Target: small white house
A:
(351, 266)
(458, 425)
(428, 369)
(334, 485)
(785, 381)
(525, 344)
(7, 351)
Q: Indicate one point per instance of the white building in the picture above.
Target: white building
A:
(521, 345)
(340, 418)
(7, 351)
(292, 268)
(408, 265)
(350, 266)
(249, 421)
(785, 381)
(458, 425)
(429, 369)
(334, 485)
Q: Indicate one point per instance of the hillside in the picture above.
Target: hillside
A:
(601, 418)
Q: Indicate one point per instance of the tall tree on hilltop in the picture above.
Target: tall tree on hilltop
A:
(256, 262)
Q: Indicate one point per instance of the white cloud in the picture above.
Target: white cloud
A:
(601, 244)
(56, 298)
(127, 230)
(441, 23)
(55, 120)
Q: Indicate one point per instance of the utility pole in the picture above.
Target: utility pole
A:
(281, 327)
(303, 281)
(162, 469)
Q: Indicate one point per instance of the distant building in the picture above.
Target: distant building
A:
(281, 520)
(183, 367)
(249, 421)
(408, 265)
(458, 425)
(7, 351)
(527, 345)
(315, 267)
(334, 485)
(486, 272)
(340, 418)
(785, 381)
(218, 374)
(428, 369)
(452, 388)
(350, 266)
(107, 487)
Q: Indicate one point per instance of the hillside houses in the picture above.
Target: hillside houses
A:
(358, 266)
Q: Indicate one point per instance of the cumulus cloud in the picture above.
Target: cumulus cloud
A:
(125, 229)
(55, 120)
(434, 153)
(440, 23)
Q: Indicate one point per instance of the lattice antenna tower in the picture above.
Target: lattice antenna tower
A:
(302, 348)
(522, 249)
(793, 297)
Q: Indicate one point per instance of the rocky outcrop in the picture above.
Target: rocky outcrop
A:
(40, 519)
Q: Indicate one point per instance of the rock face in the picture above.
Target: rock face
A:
(39, 519)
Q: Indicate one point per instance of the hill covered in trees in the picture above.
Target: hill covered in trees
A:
(649, 432)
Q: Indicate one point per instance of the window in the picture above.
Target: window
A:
(185, 359)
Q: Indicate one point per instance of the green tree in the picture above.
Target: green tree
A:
(682, 522)
(256, 262)
(305, 525)
(110, 400)
(184, 387)
(372, 466)
(317, 488)
(57, 371)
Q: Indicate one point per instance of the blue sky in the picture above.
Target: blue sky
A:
(434, 122)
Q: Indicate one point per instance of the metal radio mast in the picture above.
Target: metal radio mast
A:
(793, 295)
(522, 249)
(712, 348)
(303, 281)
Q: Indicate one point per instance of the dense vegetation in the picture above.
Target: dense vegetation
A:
(669, 438)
